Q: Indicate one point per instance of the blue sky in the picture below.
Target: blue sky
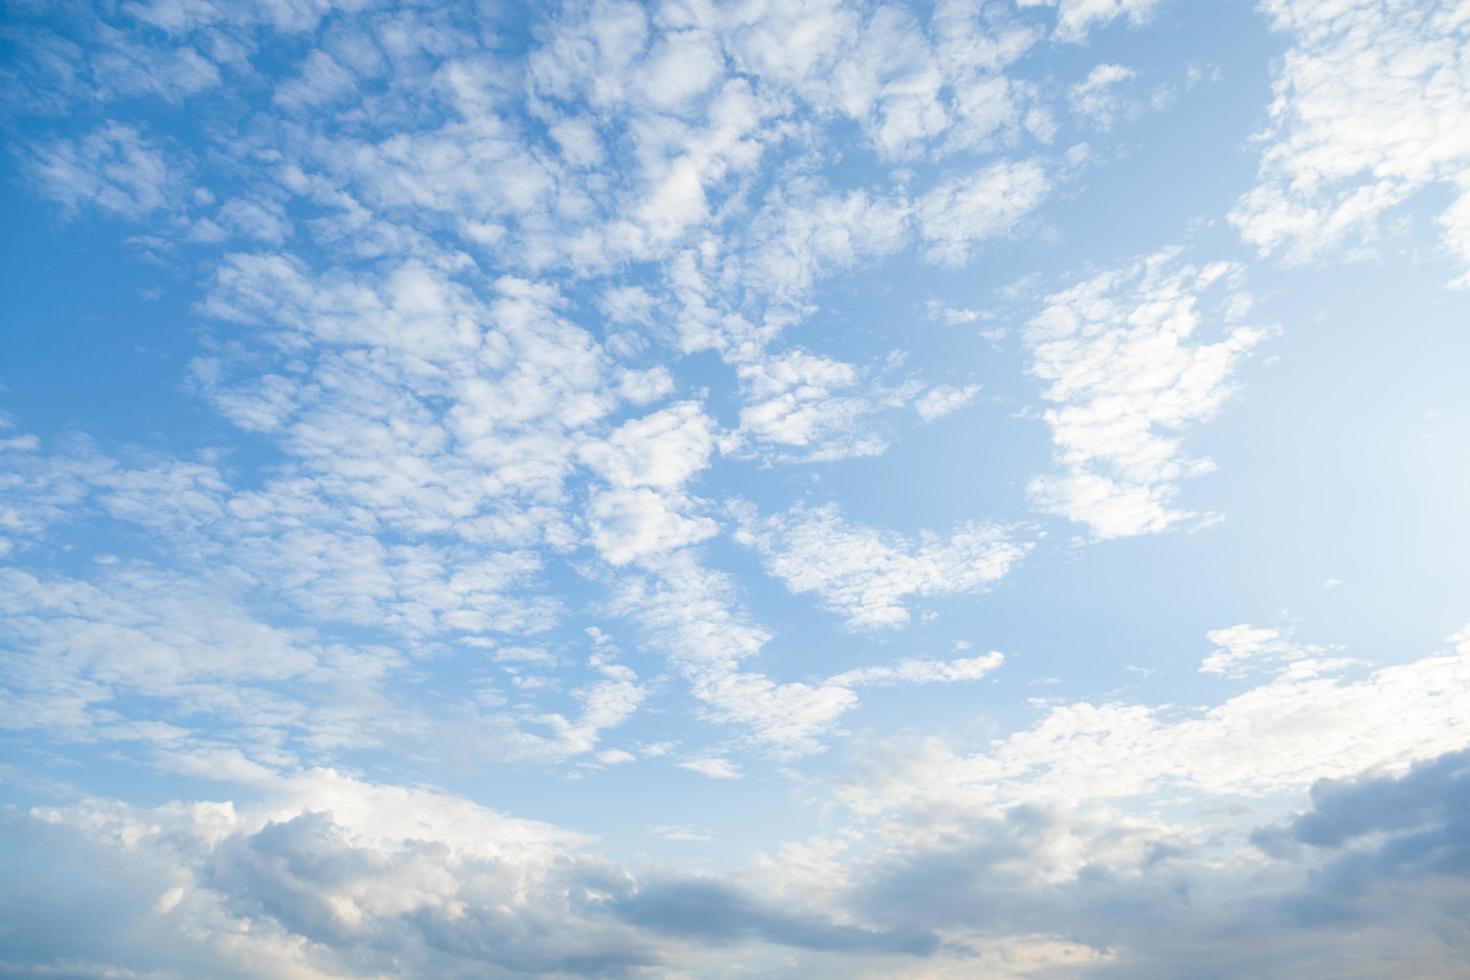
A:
(750, 489)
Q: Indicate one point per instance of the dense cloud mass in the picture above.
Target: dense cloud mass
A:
(687, 488)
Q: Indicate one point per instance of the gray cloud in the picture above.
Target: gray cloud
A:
(713, 912)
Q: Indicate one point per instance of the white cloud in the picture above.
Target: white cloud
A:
(692, 615)
(908, 90)
(691, 835)
(641, 387)
(662, 450)
(83, 58)
(414, 589)
(941, 400)
(1243, 647)
(956, 215)
(1307, 723)
(1076, 18)
(636, 523)
(1092, 822)
(1370, 109)
(627, 304)
(205, 669)
(1127, 379)
(1096, 97)
(921, 672)
(811, 407)
(950, 316)
(115, 167)
(136, 629)
(804, 235)
(327, 875)
(321, 81)
(606, 704)
(646, 460)
(242, 888)
(713, 767)
(408, 406)
(681, 66)
(262, 220)
(38, 489)
(865, 574)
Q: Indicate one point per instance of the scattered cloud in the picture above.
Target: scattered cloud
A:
(713, 767)
(1077, 18)
(951, 316)
(941, 400)
(865, 574)
(958, 214)
(921, 672)
(1243, 647)
(1367, 114)
(1097, 97)
(115, 167)
(693, 615)
(1128, 376)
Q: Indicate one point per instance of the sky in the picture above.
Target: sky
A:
(751, 489)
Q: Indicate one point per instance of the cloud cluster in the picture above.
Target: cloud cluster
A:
(1126, 840)
(1128, 375)
(946, 858)
(864, 574)
(390, 271)
(693, 614)
(1077, 18)
(1371, 106)
(324, 875)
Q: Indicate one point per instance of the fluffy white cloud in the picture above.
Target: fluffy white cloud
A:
(865, 574)
(207, 678)
(811, 408)
(941, 400)
(115, 167)
(964, 211)
(805, 235)
(1076, 18)
(646, 460)
(643, 386)
(1096, 97)
(1128, 376)
(1085, 829)
(1372, 106)
(135, 630)
(951, 316)
(713, 767)
(39, 489)
(322, 80)
(662, 450)
(1242, 648)
(327, 875)
(921, 672)
(692, 614)
(636, 523)
(1312, 721)
(323, 875)
(907, 89)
